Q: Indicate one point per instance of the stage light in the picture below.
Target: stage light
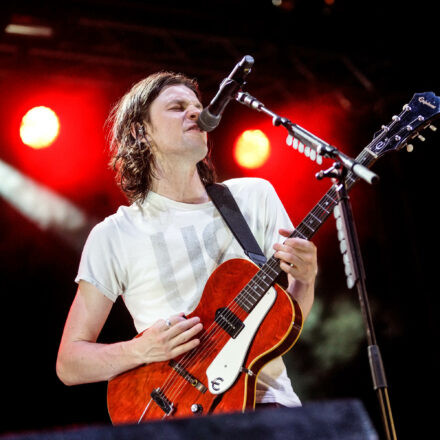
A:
(39, 127)
(44, 207)
(252, 149)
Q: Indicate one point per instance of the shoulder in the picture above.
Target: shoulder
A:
(248, 186)
(113, 223)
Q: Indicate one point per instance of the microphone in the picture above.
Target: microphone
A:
(210, 116)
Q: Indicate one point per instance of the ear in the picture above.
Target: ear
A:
(137, 130)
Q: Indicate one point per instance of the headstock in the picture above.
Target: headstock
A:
(415, 117)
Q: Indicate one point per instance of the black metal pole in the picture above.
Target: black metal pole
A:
(354, 258)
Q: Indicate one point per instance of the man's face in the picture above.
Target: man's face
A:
(173, 128)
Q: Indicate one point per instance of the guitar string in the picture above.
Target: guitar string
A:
(174, 376)
(319, 219)
(223, 337)
(318, 206)
(312, 214)
(209, 337)
(273, 264)
(213, 330)
(319, 210)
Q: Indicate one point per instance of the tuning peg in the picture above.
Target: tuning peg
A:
(410, 148)
(421, 138)
(289, 140)
(433, 127)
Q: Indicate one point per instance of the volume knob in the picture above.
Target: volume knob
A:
(196, 408)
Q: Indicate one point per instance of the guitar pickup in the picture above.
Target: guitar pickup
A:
(229, 322)
(187, 376)
(159, 397)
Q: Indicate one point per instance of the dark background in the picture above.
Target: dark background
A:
(341, 69)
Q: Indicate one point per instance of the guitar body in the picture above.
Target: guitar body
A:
(210, 378)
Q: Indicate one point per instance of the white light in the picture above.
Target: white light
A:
(29, 30)
(45, 208)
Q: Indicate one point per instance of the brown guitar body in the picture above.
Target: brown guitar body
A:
(186, 390)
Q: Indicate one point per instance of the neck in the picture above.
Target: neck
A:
(180, 185)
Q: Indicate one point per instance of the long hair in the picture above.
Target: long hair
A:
(132, 159)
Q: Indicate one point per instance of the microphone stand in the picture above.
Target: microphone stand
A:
(349, 242)
(355, 272)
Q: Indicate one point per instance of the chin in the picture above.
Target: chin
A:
(199, 150)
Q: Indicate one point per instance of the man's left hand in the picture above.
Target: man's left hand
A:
(298, 257)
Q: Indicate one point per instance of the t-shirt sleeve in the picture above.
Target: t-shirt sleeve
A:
(276, 217)
(101, 261)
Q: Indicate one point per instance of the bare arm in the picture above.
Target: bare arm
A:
(82, 360)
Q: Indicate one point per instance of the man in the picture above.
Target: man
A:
(159, 251)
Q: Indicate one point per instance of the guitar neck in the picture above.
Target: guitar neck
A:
(267, 275)
(317, 216)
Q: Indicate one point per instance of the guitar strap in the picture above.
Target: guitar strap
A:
(229, 210)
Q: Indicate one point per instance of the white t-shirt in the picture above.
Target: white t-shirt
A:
(159, 255)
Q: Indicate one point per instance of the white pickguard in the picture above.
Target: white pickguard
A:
(226, 366)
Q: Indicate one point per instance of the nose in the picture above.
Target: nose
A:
(193, 112)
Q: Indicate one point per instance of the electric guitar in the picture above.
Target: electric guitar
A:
(248, 318)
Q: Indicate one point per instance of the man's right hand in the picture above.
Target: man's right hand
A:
(167, 339)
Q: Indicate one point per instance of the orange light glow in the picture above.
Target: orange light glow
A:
(39, 127)
(252, 149)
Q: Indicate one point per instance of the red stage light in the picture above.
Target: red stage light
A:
(252, 149)
(40, 127)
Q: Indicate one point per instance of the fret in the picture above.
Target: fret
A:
(312, 222)
(319, 205)
(297, 232)
(304, 223)
(272, 269)
(249, 294)
(242, 305)
(262, 280)
(320, 213)
(256, 285)
(319, 221)
(246, 298)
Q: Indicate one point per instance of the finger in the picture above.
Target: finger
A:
(289, 268)
(172, 320)
(285, 252)
(300, 244)
(289, 258)
(297, 244)
(286, 232)
(186, 335)
(182, 326)
(183, 348)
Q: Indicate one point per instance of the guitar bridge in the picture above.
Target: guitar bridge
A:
(165, 405)
(187, 376)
